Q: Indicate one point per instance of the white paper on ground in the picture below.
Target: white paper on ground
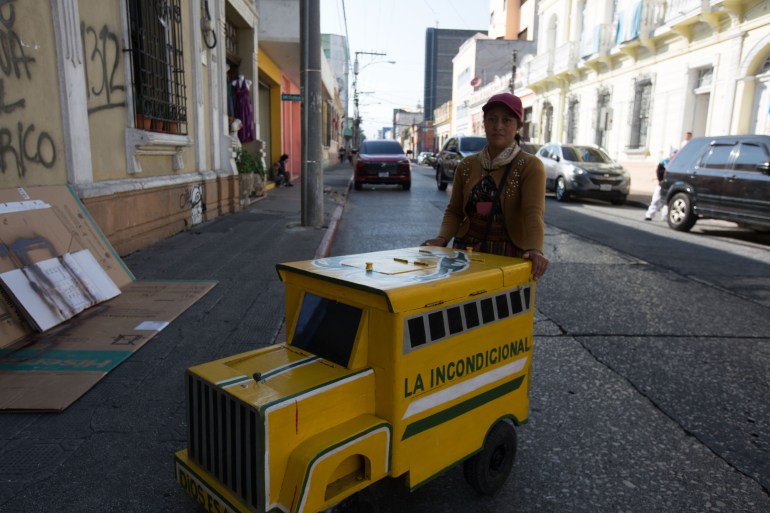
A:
(54, 290)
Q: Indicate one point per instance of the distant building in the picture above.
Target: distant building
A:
(512, 20)
(481, 61)
(441, 46)
(335, 49)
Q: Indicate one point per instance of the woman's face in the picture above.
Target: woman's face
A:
(500, 126)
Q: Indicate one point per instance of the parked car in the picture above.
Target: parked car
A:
(382, 161)
(424, 158)
(455, 149)
(530, 148)
(726, 177)
(583, 170)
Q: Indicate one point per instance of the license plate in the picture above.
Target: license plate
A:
(384, 174)
(201, 493)
(605, 187)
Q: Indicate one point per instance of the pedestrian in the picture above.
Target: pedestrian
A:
(687, 137)
(658, 201)
(498, 195)
(283, 175)
(341, 152)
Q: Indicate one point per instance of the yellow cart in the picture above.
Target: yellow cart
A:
(399, 363)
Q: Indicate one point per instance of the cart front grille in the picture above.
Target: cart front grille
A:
(223, 438)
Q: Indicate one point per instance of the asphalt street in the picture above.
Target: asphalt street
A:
(623, 418)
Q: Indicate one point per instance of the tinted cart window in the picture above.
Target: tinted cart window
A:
(327, 328)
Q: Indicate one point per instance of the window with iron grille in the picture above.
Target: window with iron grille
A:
(641, 114)
(157, 65)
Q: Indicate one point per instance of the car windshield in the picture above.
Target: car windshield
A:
(472, 144)
(382, 148)
(585, 154)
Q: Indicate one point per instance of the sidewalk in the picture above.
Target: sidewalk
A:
(112, 450)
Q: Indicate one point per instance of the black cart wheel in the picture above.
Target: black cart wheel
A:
(487, 470)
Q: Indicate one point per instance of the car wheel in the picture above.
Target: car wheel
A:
(407, 185)
(619, 201)
(486, 471)
(440, 183)
(561, 189)
(358, 186)
(680, 214)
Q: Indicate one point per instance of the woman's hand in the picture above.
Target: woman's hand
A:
(438, 241)
(539, 262)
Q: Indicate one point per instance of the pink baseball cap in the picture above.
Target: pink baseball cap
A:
(507, 100)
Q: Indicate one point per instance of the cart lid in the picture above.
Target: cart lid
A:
(412, 278)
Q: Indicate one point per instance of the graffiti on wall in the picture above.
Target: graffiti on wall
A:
(21, 143)
(101, 49)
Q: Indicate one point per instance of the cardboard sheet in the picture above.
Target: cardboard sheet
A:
(48, 371)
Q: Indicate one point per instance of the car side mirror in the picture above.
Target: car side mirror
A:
(557, 158)
(453, 149)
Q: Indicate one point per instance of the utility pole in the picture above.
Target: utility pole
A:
(312, 105)
(357, 119)
(513, 73)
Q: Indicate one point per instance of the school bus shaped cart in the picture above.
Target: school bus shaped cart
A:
(400, 363)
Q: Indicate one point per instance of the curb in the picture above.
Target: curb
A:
(324, 248)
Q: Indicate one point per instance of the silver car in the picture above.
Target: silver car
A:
(583, 170)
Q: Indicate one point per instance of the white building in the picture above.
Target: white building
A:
(634, 75)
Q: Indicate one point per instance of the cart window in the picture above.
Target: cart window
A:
(455, 320)
(516, 302)
(436, 322)
(327, 328)
(471, 315)
(417, 331)
(502, 306)
(487, 310)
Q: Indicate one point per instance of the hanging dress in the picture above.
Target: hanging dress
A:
(243, 110)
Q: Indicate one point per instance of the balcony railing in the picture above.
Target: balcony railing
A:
(540, 67)
(565, 58)
(653, 16)
(679, 10)
(597, 41)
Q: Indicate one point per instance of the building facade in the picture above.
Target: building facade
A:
(441, 46)
(634, 75)
(132, 103)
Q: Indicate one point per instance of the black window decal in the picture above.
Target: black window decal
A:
(471, 315)
(502, 306)
(454, 316)
(487, 310)
(436, 323)
(417, 331)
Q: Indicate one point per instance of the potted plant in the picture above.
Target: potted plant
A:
(252, 173)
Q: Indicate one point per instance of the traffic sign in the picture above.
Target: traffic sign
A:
(291, 97)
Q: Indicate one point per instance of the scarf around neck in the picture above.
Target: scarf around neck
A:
(503, 159)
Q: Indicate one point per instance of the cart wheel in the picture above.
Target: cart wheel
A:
(487, 470)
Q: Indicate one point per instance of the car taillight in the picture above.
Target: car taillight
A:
(360, 165)
(403, 167)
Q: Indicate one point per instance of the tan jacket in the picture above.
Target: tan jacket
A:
(522, 202)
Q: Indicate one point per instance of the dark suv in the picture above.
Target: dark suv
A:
(726, 177)
(455, 149)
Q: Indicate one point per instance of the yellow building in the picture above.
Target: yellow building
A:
(131, 103)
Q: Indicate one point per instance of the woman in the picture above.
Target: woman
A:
(498, 195)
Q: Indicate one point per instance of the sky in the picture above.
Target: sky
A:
(397, 29)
